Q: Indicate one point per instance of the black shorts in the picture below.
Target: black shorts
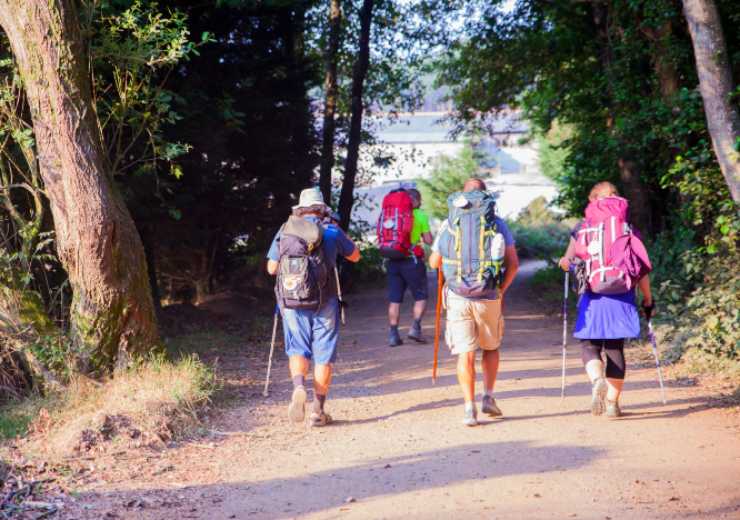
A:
(409, 273)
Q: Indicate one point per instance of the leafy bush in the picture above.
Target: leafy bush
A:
(371, 267)
(539, 233)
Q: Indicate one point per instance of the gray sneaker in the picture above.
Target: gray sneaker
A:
(488, 406)
(297, 406)
(598, 394)
(319, 419)
(612, 409)
(471, 417)
(415, 333)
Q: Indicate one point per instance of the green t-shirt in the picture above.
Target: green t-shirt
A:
(420, 226)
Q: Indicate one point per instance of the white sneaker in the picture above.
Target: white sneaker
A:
(598, 394)
(297, 406)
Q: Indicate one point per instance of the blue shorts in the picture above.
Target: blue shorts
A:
(410, 273)
(312, 334)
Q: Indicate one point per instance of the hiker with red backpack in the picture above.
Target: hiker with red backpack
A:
(402, 225)
(476, 252)
(303, 258)
(610, 262)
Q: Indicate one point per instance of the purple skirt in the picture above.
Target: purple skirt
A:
(602, 316)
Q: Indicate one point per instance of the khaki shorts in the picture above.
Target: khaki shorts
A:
(472, 324)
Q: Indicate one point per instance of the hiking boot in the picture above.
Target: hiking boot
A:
(297, 406)
(489, 406)
(415, 333)
(319, 419)
(394, 338)
(471, 417)
(612, 409)
(598, 394)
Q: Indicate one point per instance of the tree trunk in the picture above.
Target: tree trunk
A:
(346, 198)
(716, 87)
(330, 99)
(112, 316)
(665, 68)
(640, 214)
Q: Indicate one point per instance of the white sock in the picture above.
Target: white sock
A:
(469, 406)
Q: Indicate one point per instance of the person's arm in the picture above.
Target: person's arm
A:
(647, 295)
(435, 260)
(273, 254)
(427, 238)
(569, 254)
(354, 257)
(511, 263)
(346, 247)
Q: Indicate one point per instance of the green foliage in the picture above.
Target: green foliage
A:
(371, 267)
(447, 176)
(133, 51)
(539, 233)
(16, 417)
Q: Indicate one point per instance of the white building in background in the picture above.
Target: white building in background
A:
(414, 141)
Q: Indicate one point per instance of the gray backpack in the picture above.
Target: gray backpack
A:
(303, 270)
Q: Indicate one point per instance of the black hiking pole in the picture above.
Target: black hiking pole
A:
(265, 393)
(565, 333)
(651, 336)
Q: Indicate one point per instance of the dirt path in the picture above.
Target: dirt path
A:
(398, 449)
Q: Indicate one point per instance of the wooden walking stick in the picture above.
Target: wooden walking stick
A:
(437, 322)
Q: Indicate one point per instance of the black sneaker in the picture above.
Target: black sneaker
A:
(394, 338)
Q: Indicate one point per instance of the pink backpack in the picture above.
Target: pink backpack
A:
(615, 258)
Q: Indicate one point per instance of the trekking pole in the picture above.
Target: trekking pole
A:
(265, 393)
(339, 295)
(437, 323)
(651, 336)
(565, 333)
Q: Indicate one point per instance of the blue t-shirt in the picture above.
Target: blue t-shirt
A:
(501, 227)
(335, 242)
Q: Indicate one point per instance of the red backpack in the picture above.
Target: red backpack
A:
(615, 258)
(394, 225)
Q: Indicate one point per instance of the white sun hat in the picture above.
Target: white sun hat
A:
(310, 197)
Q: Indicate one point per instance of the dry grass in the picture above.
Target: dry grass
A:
(147, 405)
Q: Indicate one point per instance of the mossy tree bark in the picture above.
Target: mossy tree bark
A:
(716, 87)
(112, 316)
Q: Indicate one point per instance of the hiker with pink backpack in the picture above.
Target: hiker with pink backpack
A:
(610, 263)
